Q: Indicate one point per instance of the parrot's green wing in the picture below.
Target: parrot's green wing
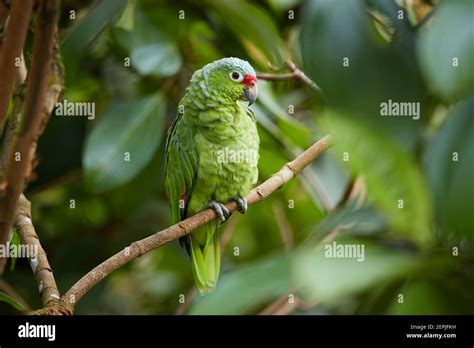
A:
(182, 159)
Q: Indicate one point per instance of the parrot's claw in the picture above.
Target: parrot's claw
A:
(222, 212)
(242, 205)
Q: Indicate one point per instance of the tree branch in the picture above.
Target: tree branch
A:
(275, 77)
(39, 263)
(3, 19)
(138, 248)
(18, 98)
(12, 45)
(44, 86)
(296, 73)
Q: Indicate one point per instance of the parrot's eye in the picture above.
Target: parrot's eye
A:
(236, 76)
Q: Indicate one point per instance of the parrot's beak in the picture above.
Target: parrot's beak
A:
(250, 91)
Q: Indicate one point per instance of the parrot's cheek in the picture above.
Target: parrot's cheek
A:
(250, 94)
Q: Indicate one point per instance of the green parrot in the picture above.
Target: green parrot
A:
(212, 157)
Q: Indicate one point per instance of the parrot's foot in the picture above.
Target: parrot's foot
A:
(242, 205)
(222, 212)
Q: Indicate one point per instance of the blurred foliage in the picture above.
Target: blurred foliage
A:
(10, 301)
(131, 124)
(411, 215)
(134, 58)
(448, 41)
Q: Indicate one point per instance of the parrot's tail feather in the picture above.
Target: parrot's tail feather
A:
(205, 258)
(198, 264)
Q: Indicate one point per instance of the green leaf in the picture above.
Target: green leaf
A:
(78, 40)
(133, 127)
(292, 128)
(5, 298)
(449, 166)
(284, 5)
(93, 24)
(329, 279)
(423, 297)
(393, 179)
(127, 19)
(151, 53)
(447, 37)
(326, 177)
(344, 54)
(201, 37)
(350, 221)
(161, 59)
(252, 23)
(246, 288)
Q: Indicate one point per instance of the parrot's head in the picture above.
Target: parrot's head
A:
(233, 78)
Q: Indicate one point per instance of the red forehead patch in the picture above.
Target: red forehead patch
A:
(248, 79)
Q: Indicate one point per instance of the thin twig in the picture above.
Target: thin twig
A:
(302, 76)
(358, 191)
(276, 77)
(286, 232)
(39, 262)
(336, 232)
(321, 192)
(138, 248)
(273, 307)
(44, 86)
(281, 306)
(425, 19)
(388, 30)
(228, 232)
(188, 299)
(286, 304)
(296, 73)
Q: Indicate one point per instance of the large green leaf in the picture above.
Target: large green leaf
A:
(162, 59)
(246, 288)
(251, 22)
(133, 127)
(78, 40)
(308, 272)
(328, 279)
(357, 70)
(447, 36)
(449, 165)
(393, 180)
(151, 53)
(5, 298)
(421, 297)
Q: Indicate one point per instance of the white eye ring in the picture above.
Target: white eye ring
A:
(236, 76)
